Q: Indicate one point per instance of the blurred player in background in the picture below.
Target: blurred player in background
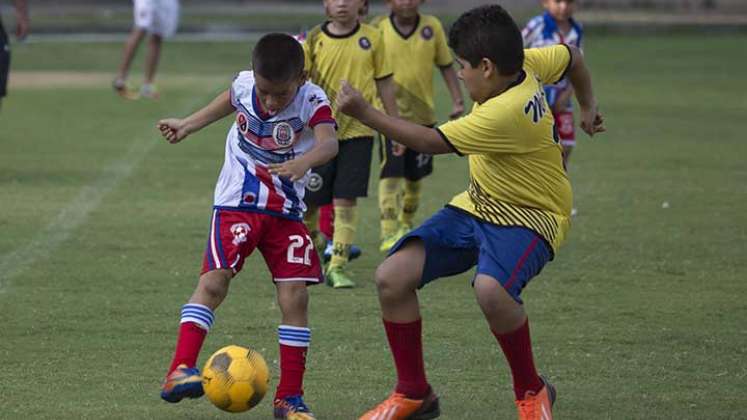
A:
(510, 221)
(414, 42)
(557, 26)
(159, 19)
(343, 48)
(22, 29)
(284, 126)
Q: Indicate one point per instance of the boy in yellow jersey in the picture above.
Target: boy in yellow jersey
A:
(509, 222)
(345, 49)
(414, 44)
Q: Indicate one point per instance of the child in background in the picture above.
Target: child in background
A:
(557, 26)
(343, 48)
(284, 126)
(414, 42)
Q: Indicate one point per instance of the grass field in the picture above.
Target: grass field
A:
(102, 226)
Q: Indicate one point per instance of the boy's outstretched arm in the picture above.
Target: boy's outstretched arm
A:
(322, 152)
(176, 129)
(591, 119)
(452, 83)
(417, 137)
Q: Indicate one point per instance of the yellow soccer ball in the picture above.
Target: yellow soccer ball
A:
(235, 378)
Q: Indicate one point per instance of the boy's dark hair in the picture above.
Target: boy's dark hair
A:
(488, 32)
(278, 57)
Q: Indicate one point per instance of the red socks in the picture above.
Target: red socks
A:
(326, 220)
(292, 368)
(188, 345)
(406, 343)
(517, 347)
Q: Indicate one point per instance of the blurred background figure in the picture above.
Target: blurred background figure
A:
(159, 19)
(22, 29)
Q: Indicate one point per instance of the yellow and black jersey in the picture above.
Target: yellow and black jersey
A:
(358, 57)
(413, 56)
(516, 170)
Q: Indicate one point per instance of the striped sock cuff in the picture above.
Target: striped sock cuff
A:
(294, 336)
(198, 314)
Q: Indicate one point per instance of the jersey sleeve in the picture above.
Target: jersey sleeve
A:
(241, 87)
(443, 55)
(550, 64)
(316, 109)
(532, 32)
(481, 132)
(382, 66)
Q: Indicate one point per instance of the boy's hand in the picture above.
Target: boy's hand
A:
(173, 130)
(592, 121)
(457, 109)
(350, 101)
(294, 169)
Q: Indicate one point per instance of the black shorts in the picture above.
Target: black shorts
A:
(345, 176)
(4, 60)
(412, 166)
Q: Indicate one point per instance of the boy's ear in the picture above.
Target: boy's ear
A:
(487, 67)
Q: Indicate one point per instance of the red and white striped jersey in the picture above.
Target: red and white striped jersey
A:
(257, 139)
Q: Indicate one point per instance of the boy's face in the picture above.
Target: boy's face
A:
(404, 8)
(275, 96)
(343, 10)
(561, 10)
(473, 79)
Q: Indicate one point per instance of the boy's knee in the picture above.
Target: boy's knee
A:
(392, 280)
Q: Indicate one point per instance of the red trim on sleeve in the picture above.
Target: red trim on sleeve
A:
(323, 114)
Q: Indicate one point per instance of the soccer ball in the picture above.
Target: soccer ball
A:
(235, 378)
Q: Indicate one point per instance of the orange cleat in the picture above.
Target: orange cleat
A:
(537, 406)
(399, 407)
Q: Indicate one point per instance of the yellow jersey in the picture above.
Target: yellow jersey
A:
(357, 57)
(515, 165)
(413, 56)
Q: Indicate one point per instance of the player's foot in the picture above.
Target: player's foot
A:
(120, 86)
(292, 408)
(388, 242)
(183, 382)
(537, 406)
(399, 407)
(338, 278)
(355, 252)
(149, 91)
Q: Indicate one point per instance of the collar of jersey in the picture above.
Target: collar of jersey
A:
(396, 29)
(347, 35)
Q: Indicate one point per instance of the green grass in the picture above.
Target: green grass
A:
(641, 315)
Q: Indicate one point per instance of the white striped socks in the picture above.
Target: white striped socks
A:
(198, 314)
(294, 336)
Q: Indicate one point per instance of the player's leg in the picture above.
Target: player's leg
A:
(229, 243)
(148, 90)
(417, 166)
(4, 62)
(566, 129)
(128, 54)
(439, 248)
(318, 193)
(511, 256)
(350, 183)
(391, 178)
(289, 254)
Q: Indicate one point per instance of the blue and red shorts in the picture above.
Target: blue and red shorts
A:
(455, 241)
(285, 245)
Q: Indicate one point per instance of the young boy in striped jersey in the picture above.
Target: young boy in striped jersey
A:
(343, 48)
(283, 127)
(510, 221)
(414, 42)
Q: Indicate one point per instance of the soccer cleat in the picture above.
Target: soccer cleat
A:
(388, 242)
(292, 408)
(149, 92)
(338, 278)
(399, 407)
(537, 406)
(122, 90)
(355, 252)
(183, 382)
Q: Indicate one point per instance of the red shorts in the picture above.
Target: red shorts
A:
(285, 244)
(566, 128)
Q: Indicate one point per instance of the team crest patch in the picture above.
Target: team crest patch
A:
(242, 122)
(250, 198)
(426, 32)
(364, 42)
(239, 232)
(282, 133)
(315, 182)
